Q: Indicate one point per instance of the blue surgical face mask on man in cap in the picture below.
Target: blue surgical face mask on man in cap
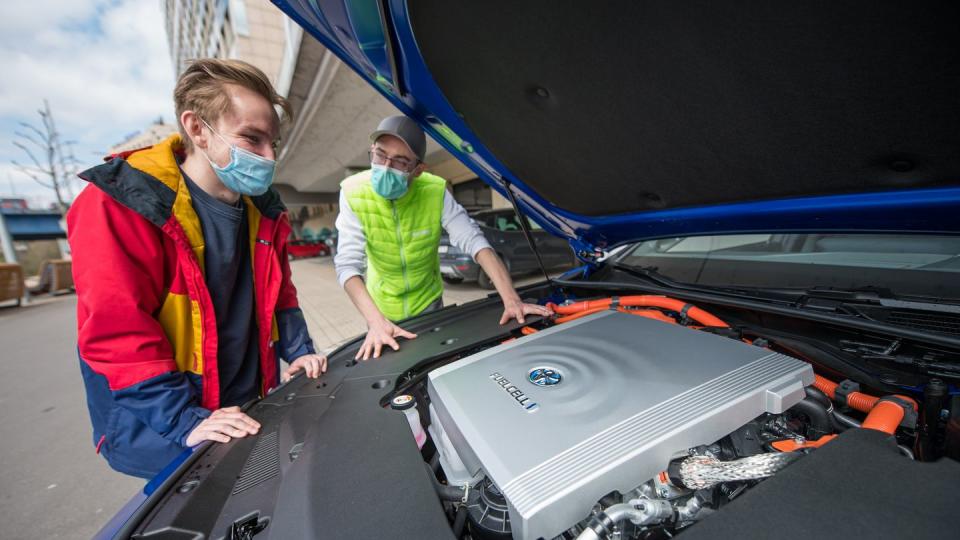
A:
(391, 167)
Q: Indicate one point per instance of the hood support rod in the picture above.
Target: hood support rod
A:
(526, 229)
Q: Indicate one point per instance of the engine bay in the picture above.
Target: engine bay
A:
(628, 417)
(562, 417)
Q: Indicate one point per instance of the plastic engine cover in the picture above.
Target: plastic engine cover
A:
(560, 418)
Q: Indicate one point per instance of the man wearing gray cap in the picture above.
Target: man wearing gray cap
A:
(389, 226)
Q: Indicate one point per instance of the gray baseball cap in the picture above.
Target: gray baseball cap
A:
(404, 129)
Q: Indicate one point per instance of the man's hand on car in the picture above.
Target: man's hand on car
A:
(313, 364)
(222, 426)
(381, 332)
(514, 308)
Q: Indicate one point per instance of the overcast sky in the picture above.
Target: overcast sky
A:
(104, 66)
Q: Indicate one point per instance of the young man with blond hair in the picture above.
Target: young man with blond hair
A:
(185, 304)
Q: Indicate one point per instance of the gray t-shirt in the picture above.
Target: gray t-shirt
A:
(229, 278)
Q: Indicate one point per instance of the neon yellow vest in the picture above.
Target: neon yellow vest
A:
(403, 237)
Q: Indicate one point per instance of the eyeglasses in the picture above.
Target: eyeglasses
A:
(379, 157)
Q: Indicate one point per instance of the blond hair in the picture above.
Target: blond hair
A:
(201, 89)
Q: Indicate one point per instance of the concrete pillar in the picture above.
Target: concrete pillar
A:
(62, 242)
(499, 201)
(9, 255)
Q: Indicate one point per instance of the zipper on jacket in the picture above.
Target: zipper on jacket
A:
(403, 259)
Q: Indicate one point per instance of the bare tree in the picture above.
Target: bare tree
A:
(52, 168)
(69, 166)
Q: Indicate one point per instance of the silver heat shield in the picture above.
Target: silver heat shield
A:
(563, 417)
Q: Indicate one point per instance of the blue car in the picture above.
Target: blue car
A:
(762, 338)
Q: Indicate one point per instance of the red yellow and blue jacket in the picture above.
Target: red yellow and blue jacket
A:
(147, 334)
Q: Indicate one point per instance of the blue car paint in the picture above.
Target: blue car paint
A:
(406, 82)
(112, 528)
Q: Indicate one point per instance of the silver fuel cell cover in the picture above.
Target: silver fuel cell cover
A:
(563, 417)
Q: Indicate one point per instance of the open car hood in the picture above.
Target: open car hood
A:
(624, 120)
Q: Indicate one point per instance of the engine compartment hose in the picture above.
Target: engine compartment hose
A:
(445, 492)
(642, 301)
(837, 420)
(885, 416)
(846, 420)
(638, 511)
(460, 521)
(855, 400)
(935, 396)
(820, 420)
(815, 393)
(700, 472)
(648, 313)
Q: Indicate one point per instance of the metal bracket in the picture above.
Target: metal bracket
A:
(586, 252)
(247, 527)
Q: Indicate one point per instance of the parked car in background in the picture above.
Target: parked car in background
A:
(304, 249)
(503, 231)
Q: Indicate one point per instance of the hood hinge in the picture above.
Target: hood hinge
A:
(586, 251)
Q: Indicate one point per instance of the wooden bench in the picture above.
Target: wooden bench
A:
(11, 282)
(56, 277)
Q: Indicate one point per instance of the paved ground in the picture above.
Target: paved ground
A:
(52, 485)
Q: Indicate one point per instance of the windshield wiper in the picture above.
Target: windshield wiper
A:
(827, 299)
(651, 274)
(646, 272)
(873, 296)
(862, 302)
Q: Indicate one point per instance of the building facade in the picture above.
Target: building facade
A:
(250, 30)
(155, 133)
(334, 109)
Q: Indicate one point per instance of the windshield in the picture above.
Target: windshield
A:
(910, 265)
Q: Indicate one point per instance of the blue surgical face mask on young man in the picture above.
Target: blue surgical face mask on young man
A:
(247, 173)
(389, 183)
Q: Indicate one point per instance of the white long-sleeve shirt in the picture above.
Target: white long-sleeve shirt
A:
(351, 257)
